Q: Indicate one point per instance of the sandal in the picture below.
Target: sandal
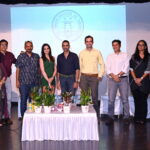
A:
(142, 122)
(1, 123)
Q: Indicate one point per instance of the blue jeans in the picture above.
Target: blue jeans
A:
(66, 84)
(25, 90)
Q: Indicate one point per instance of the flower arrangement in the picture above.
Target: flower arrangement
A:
(67, 97)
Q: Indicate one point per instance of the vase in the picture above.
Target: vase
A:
(37, 109)
(66, 109)
(85, 109)
(47, 109)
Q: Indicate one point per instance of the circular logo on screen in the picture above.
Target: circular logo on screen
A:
(68, 25)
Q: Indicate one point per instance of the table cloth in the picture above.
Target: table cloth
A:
(59, 126)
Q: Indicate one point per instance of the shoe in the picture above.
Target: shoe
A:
(1, 123)
(103, 117)
(109, 121)
(8, 121)
(137, 121)
(140, 122)
(20, 119)
(126, 121)
(98, 120)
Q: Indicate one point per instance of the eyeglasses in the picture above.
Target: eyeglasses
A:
(3, 44)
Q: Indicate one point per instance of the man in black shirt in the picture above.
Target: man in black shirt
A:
(68, 69)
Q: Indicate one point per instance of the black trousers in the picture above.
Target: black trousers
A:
(140, 101)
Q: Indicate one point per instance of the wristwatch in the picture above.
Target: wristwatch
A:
(119, 75)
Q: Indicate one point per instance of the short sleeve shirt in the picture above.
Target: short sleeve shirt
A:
(29, 68)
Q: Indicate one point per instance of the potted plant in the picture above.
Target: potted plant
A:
(67, 97)
(67, 101)
(48, 100)
(85, 100)
(36, 100)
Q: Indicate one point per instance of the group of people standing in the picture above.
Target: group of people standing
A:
(70, 72)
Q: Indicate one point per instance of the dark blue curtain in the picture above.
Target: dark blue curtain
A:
(69, 1)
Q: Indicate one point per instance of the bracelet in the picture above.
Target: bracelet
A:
(142, 78)
(134, 79)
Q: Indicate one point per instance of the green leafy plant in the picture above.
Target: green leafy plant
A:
(85, 97)
(48, 99)
(36, 96)
(39, 98)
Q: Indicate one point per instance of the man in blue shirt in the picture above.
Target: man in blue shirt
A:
(68, 69)
(27, 74)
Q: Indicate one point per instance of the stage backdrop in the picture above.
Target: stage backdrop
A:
(54, 23)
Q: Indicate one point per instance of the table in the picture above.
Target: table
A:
(60, 127)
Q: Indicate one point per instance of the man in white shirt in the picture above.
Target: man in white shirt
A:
(117, 67)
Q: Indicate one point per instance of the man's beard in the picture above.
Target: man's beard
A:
(29, 51)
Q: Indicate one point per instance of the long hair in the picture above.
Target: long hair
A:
(50, 53)
(146, 53)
